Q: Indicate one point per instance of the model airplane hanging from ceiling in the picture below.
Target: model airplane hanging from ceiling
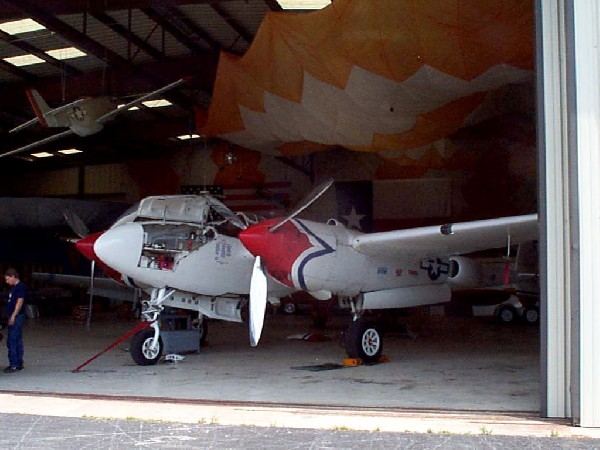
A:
(83, 117)
(192, 252)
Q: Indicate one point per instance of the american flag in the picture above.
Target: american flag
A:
(267, 199)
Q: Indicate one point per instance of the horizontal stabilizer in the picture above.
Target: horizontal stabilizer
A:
(27, 124)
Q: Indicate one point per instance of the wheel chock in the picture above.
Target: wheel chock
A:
(353, 362)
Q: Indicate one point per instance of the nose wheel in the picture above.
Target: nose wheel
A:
(146, 346)
(363, 341)
(144, 349)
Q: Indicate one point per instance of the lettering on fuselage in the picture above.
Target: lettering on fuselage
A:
(222, 251)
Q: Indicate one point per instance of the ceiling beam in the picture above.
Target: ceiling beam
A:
(90, 46)
(182, 30)
(273, 5)
(66, 7)
(122, 81)
(243, 32)
(16, 71)
(129, 36)
(28, 48)
(82, 41)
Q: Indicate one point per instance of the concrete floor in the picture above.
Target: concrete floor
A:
(470, 364)
(467, 376)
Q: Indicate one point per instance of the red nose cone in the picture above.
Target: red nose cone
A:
(86, 246)
(278, 250)
(257, 239)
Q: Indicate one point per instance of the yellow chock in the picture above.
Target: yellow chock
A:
(352, 362)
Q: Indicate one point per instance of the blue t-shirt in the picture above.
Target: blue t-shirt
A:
(17, 291)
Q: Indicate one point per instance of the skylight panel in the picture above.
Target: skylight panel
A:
(59, 53)
(158, 103)
(70, 151)
(185, 137)
(42, 155)
(21, 26)
(66, 53)
(133, 108)
(23, 60)
(303, 4)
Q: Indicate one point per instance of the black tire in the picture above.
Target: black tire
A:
(364, 341)
(139, 348)
(289, 308)
(506, 314)
(531, 315)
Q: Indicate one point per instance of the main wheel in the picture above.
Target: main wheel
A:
(141, 349)
(289, 308)
(506, 314)
(364, 341)
(531, 315)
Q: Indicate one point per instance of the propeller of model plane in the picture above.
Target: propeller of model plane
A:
(257, 239)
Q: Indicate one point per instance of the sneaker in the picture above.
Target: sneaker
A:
(11, 369)
(20, 367)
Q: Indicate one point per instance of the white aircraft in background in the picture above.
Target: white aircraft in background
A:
(83, 117)
(192, 252)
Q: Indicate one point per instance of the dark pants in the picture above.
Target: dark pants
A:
(14, 342)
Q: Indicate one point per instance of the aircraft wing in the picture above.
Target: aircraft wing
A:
(137, 101)
(54, 137)
(450, 239)
(67, 107)
(103, 287)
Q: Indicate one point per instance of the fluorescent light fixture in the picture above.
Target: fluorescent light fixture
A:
(185, 137)
(303, 4)
(21, 26)
(158, 103)
(42, 155)
(69, 151)
(59, 53)
(66, 53)
(23, 60)
(134, 108)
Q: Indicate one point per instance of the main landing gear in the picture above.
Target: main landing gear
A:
(363, 340)
(146, 345)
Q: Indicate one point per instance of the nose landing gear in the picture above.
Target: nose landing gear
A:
(146, 346)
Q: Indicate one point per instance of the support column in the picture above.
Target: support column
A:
(553, 207)
(568, 57)
(584, 154)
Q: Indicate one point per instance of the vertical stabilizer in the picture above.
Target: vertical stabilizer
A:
(39, 105)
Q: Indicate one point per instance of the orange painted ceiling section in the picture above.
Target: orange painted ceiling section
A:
(390, 39)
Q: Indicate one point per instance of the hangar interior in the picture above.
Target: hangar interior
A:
(417, 135)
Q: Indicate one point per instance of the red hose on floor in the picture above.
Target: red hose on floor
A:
(140, 327)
